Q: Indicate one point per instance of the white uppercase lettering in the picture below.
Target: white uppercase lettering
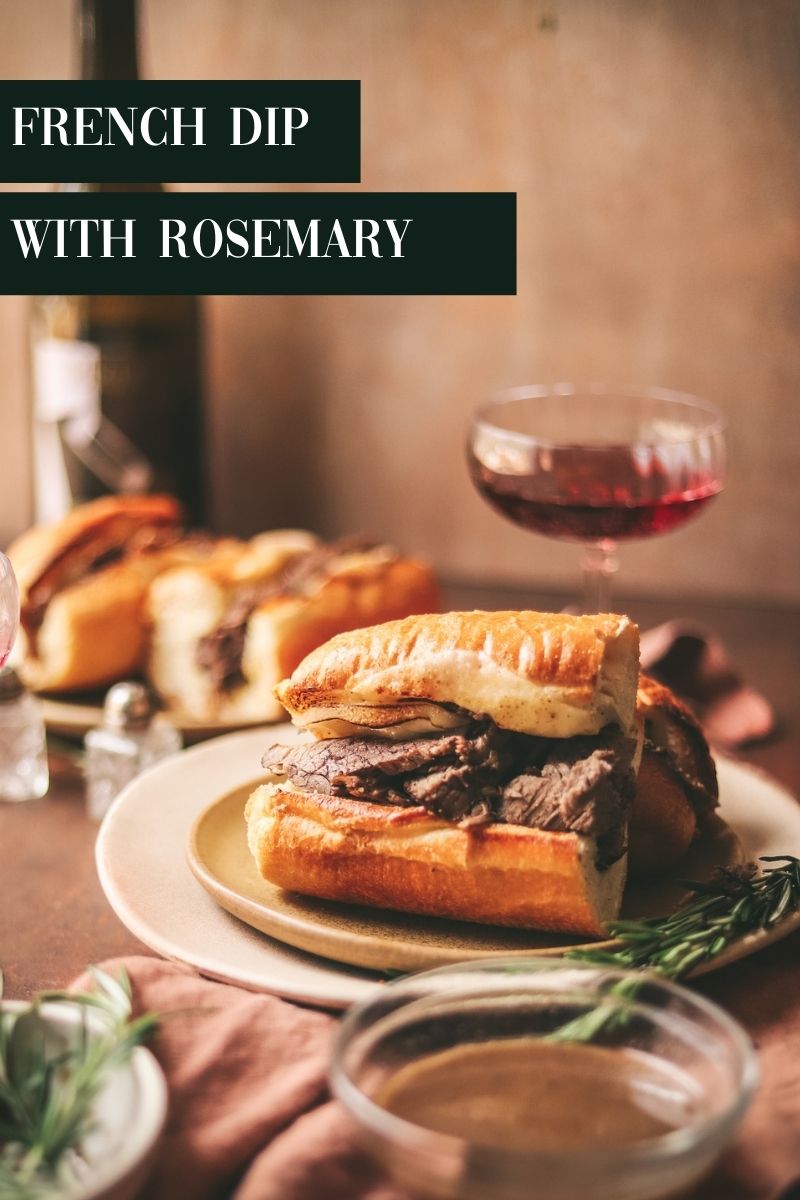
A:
(61, 251)
(20, 125)
(115, 116)
(264, 236)
(84, 124)
(177, 237)
(396, 237)
(146, 118)
(371, 237)
(54, 118)
(338, 237)
(293, 119)
(83, 224)
(179, 125)
(32, 233)
(32, 241)
(238, 239)
(272, 126)
(312, 237)
(197, 237)
(290, 125)
(126, 237)
(237, 126)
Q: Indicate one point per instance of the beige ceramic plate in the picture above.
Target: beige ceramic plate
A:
(73, 717)
(141, 858)
(376, 938)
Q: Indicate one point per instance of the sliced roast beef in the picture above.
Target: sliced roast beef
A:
(357, 766)
(458, 793)
(220, 651)
(455, 775)
(583, 784)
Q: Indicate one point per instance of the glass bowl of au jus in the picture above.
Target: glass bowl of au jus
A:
(542, 1079)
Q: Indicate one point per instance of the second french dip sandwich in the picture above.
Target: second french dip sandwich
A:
(478, 766)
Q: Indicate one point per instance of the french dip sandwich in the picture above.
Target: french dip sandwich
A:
(477, 766)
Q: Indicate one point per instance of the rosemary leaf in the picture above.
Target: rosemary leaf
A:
(735, 903)
(49, 1082)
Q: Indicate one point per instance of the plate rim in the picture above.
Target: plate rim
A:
(332, 940)
(331, 984)
(335, 987)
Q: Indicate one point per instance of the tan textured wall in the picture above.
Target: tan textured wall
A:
(655, 148)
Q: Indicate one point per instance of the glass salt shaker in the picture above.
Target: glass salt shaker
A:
(24, 774)
(132, 736)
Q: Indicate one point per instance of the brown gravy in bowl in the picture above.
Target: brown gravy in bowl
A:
(525, 1094)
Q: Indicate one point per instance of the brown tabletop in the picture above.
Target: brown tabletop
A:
(55, 918)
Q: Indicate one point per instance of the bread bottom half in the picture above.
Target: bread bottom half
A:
(406, 859)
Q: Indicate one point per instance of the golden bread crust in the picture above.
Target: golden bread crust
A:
(676, 787)
(94, 632)
(541, 673)
(396, 858)
(92, 635)
(185, 606)
(672, 731)
(663, 823)
(366, 593)
(42, 555)
(60, 575)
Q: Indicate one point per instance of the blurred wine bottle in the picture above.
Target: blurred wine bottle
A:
(117, 403)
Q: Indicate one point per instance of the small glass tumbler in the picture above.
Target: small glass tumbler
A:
(24, 773)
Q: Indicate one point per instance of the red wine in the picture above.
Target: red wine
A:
(590, 513)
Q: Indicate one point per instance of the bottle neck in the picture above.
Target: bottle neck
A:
(108, 39)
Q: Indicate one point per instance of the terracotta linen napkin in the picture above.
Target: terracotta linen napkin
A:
(249, 1111)
(250, 1115)
(694, 662)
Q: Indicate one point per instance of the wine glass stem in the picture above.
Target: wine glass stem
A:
(600, 565)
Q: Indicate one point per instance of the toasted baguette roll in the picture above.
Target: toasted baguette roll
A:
(83, 585)
(539, 673)
(267, 639)
(405, 859)
(676, 787)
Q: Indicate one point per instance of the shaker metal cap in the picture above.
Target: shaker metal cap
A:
(11, 686)
(128, 705)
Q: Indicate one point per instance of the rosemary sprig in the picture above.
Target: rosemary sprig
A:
(48, 1084)
(736, 902)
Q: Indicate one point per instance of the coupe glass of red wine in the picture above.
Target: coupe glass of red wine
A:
(597, 465)
(9, 608)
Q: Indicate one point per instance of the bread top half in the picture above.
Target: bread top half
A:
(52, 555)
(545, 674)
